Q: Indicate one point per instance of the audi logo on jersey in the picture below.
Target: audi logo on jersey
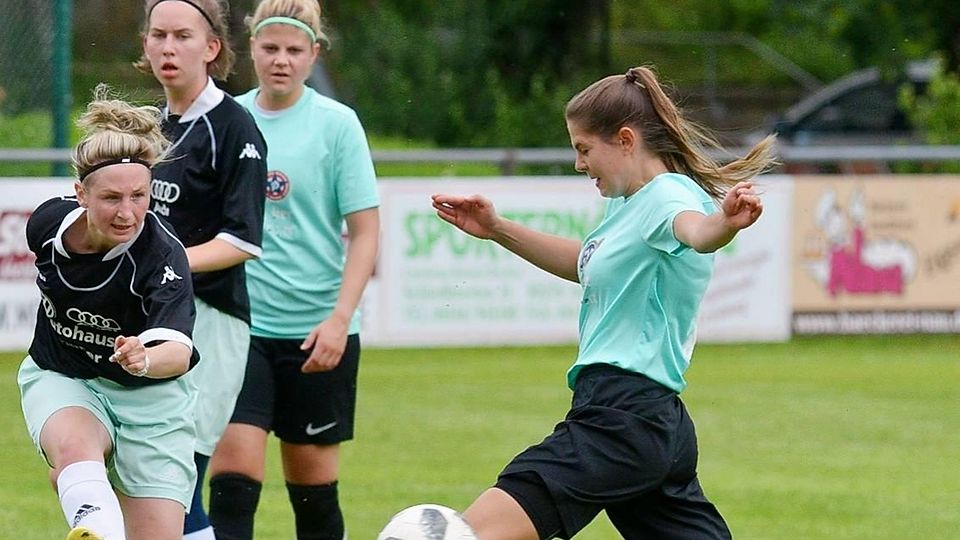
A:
(92, 319)
(163, 191)
(48, 309)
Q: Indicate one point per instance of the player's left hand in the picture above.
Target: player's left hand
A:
(326, 343)
(131, 355)
(741, 206)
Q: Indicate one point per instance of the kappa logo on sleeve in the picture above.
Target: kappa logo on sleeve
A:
(169, 275)
(249, 151)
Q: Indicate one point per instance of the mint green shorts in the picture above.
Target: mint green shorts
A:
(222, 341)
(151, 427)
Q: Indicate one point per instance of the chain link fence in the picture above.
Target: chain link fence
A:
(27, 37)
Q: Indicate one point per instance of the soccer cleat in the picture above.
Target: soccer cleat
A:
(83, 533)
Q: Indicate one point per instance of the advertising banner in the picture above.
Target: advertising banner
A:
(749, 296)
(876, 254)
(18, 292)
(437, 286)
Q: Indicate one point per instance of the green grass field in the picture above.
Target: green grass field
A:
(832, 438)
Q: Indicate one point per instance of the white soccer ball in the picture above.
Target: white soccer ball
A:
(427, 522)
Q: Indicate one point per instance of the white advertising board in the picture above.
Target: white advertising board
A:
(438, 286)
(435, 286)
(18, 291)
(749, 297)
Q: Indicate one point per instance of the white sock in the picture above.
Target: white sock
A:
(202, 534)
(88, 500)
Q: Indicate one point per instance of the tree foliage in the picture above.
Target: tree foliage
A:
(466, 73)
(498, 72)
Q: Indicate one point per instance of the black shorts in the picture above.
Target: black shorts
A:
(627, 447)
(301, 408)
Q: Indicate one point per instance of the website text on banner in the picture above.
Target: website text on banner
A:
(876, 254)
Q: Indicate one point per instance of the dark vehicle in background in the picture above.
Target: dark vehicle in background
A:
(860, 108)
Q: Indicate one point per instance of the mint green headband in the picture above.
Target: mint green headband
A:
(287, 20)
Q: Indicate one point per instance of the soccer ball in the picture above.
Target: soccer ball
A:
(427, 522)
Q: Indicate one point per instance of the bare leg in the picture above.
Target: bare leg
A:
(310, 464)
(495, 515)
(241, 450)
(152, 519)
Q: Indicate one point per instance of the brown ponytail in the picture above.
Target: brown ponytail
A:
(636, 99)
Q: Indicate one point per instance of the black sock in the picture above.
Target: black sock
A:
(317, 511)
(233, 503)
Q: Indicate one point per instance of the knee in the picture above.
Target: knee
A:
(63, 451)
(233, 493)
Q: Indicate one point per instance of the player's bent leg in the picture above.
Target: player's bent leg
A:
(495, 515)
(88, 501)
(76, 444)
(74, 434)
(237, 470)
(679, 511)
(311, 472)
(152, 518)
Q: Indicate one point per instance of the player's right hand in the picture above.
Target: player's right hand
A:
(474, 214)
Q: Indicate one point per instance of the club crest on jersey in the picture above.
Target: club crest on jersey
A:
(587, 253)
(278, 185)
(249, 151)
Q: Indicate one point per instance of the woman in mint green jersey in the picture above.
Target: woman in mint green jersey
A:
(301, 373)
(627, 445)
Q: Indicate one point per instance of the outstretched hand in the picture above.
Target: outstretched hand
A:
(474, 214)
(741, 206)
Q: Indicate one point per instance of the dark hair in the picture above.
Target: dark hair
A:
(637, 100)
(216, 14)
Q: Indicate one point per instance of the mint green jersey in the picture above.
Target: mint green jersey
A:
(320, 170)
(642, 287)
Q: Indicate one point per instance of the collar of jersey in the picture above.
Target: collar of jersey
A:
(210, 97)
(72, 217)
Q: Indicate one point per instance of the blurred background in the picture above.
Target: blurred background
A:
(496, 73)
(826, 405)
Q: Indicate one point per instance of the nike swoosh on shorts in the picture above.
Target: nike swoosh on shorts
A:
(320, 429)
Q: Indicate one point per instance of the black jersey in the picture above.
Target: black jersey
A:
(87, 300)
(213, 186)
